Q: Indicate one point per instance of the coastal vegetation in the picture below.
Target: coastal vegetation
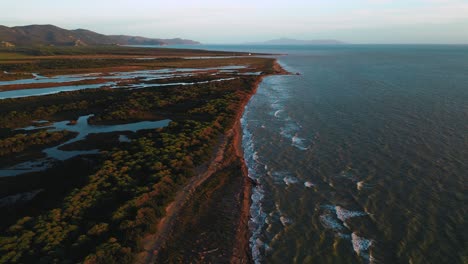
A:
(20, 142)
(101, 211)
(21, 62)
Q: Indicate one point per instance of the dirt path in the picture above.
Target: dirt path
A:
(241, 251)
(153, 242)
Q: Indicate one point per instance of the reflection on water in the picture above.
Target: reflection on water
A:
(145, 75)
(83, 129)
(165, 73)
(46, 91)
(142, 85)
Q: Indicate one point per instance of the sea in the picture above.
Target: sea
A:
(360, 158)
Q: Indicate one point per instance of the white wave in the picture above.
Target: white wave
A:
(289, 130)
(329, 207)
(257, 196)
(269, 222)
(309, 184)
(344, 214)
(360, 245)
(299, 143)
(255, 156)
(256, 223)
(256, 254)
(279, 177)
(285, 221)
(360, 185)
(344, 236)
(277, 113)
(329, 222)
(288, 180)
(275, 103)
(277, 106)
(258, 216)
(337, 222)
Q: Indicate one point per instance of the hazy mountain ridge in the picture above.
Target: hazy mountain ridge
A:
(53, 35)
(289, 41)
(136, 40)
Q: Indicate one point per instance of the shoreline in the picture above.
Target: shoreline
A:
(228, 152)
(243, 231)
(198, 214)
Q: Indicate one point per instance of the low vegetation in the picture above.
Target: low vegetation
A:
(102, 217)
(21, 142)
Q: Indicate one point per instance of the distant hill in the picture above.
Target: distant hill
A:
(53, 35)
(288, 41)
(132, 40)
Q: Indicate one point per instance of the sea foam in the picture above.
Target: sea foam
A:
(344, 214)
(299, 143)
(285, 221)
(360, 245)
(329, 222)
(289, 180)
(277, 113)
(258, 215)
(359, 185)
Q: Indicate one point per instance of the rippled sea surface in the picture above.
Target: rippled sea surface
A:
(363, 158)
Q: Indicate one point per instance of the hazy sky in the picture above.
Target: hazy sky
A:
(211, 21)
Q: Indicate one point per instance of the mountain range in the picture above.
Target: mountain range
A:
(289, 41)
(53, 35)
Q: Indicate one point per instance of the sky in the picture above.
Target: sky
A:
(218, 21)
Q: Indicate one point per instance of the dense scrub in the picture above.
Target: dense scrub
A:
(205, 232)
(20, 141)
(102, 220)
(20, 62)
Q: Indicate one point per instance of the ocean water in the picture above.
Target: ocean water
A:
(363, 158)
